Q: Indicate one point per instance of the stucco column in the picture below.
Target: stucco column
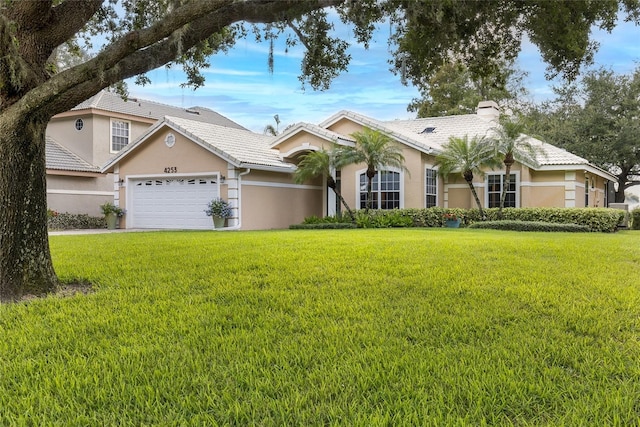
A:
(116, 185)
(445, 193)
(569, 189)
(233, 195)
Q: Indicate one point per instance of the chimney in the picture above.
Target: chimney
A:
(488, 110)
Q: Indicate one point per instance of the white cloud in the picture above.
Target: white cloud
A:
(240, 87)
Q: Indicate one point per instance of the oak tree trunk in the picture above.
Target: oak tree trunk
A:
(622, 185)
(25, 261)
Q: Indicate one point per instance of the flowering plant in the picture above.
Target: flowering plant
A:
(110, 208)
(450, 216)
(218, 207)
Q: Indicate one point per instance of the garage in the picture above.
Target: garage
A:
(175, 203)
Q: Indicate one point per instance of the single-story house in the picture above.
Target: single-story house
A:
(166, 177)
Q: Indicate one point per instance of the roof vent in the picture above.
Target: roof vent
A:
(193, 112)
(429, 129)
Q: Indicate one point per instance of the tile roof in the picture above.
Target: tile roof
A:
(312, 129)
(430, 134)
(238, 146)
(108, 101)
(436, 131)
(59, 158)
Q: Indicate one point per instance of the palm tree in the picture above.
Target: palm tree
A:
(376, 150)
(510, 142)
(467, 156)
(273, 130)
(320, 163)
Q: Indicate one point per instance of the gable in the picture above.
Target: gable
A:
(303, 142)
(155, 156)
(345, 126)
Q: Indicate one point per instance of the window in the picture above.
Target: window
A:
(386, 190)
(119, 135)
(431, 188)
(586, 192)
(79, 124)
(495, 184)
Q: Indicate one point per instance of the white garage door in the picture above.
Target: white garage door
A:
(171, 203)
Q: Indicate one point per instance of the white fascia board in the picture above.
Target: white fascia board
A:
(267, 168)
(588, 168)
(152, 130)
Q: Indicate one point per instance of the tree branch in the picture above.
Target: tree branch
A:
(67, 19)
(301, 36)
(147, 49)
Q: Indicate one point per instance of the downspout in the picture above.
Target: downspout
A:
(239, 224)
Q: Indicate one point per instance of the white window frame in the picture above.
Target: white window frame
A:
(111, 134)
(502, 174)
(587, 196)
(387, 169)
(426, 187)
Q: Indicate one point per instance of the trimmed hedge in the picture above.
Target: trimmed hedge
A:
(595, 219)
(530, 226)
(323, 226)
(635, 219)
(67, 221)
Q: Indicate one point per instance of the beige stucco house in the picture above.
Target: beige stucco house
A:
(165, 178)
(80, 141)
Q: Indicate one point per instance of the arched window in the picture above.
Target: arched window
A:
(386, 190)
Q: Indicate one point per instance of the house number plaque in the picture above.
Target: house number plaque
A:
(171, 169)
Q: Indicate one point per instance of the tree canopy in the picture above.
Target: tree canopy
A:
(454, 90)
(127, 38)
(597, 118)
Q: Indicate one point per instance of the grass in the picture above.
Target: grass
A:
(351, 327)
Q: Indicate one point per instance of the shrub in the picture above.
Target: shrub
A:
(109, 208)
(383, 218)
(596, 219)
(635, 219)
(67, 221)
(323, 226)
(530, 226)
(218, 207)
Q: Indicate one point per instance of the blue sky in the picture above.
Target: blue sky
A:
(240, 87)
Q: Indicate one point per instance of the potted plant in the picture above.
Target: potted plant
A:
(451, 220)
(219, 210)
(111, 214)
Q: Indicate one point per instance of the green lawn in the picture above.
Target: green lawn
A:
(351, 327)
